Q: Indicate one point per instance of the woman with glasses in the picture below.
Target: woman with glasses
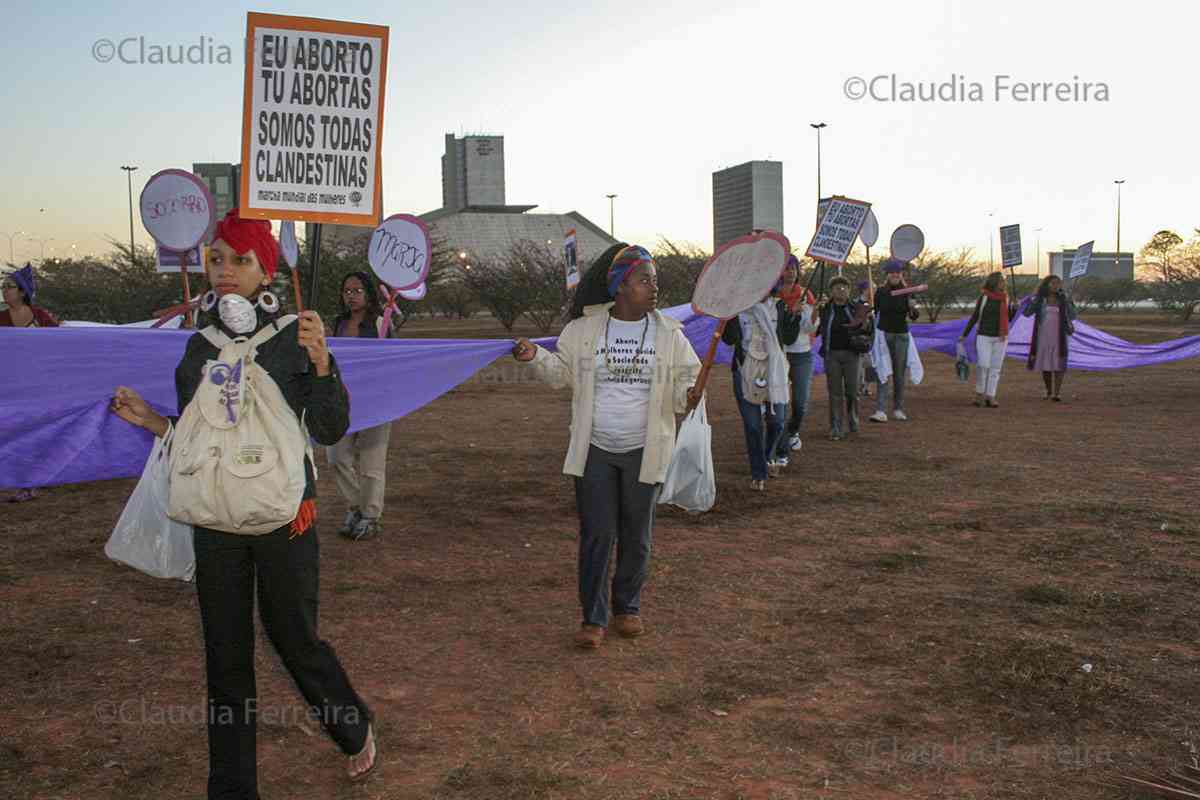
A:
(20, 287)
(359, 460)
(19, 290)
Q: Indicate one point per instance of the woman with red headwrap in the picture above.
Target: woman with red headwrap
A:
(281, 566)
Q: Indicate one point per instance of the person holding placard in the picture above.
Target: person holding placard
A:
(894, 314)
(1053, 324)
(797, 325)
(279, 567)
(845, 328)
(993, 315)
(760, 385)
(359, 460)
(631, 370)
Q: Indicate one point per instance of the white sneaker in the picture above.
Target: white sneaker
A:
(878, 416)
(900, 415)
(781, 461)
(794, 442)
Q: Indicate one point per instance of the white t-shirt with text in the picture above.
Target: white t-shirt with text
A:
(624, 368)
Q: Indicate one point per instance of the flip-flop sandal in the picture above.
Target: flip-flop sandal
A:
(373, 745)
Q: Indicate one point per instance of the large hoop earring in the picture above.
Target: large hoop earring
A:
(208, 301)
(268, 302)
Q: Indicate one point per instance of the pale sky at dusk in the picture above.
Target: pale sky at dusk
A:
(646, 100)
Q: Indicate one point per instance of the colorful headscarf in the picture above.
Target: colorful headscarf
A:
(25, 282)
(249, 234)
(623, 263)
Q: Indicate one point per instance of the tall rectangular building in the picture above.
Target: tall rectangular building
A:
(473, 172)
(224, 181)
(747, 197)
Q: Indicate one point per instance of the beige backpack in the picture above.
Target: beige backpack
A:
(238, 451)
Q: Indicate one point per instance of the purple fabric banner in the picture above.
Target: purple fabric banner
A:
(55, 426)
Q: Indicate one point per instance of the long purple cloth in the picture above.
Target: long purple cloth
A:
(55, 426)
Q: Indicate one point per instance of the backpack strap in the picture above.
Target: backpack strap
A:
(215, 337)
(269, 331)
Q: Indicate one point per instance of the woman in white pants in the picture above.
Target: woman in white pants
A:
(992, 313)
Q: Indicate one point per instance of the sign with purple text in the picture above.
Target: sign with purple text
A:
(177, 209)
(399, 252)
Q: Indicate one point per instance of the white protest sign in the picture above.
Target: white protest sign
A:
(399, 252)
(288, 244)
(1082, 259)
(177, 209)
(838, 230)
(312, 120)
(822, 207)
(870, 230)
(1010, 246)
(740, 274)
(571, 256)
(415, 294)
(907, 242)
(169, 260)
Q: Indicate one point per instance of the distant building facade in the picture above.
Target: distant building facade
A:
(474, 219)
(747, 197)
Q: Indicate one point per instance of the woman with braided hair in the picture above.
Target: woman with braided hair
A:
(631, 370)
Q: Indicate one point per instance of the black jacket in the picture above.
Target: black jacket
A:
(989, 324)
(894, 312)
(839, 331)
(324, 399)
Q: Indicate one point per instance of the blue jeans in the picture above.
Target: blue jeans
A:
(762, 437)
(897, 345)
(802, 372)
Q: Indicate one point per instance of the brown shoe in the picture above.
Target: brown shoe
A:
(629, 625)
(589, 637)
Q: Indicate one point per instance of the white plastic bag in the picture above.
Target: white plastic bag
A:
(691, 481)
(145, 538)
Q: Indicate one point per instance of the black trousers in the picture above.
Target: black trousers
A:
(229, 568)
(614, 508)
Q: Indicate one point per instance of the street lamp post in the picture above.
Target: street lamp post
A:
(610, 197)
(11, 258)
(41, 242)
(991, 253)
(817, 127)
(129, 181)
(1118, 183)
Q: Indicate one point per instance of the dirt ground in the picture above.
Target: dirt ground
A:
(975, 604)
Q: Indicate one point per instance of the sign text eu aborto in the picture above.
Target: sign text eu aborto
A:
(313, 120)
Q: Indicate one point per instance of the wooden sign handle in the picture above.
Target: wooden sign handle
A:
(702, 379)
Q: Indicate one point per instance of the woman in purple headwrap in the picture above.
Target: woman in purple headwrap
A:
(631, 370)
(20, 287)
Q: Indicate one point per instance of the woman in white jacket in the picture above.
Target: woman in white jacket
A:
(631, 370)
